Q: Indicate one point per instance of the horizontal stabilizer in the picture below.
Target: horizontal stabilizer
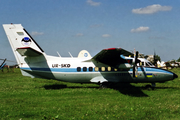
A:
(28, 51)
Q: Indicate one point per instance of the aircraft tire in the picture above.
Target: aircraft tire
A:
(148, 87)
(103, 85)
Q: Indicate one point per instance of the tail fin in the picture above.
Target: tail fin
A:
(21, 42)
(29, 55)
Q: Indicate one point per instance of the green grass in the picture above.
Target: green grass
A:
(25, 98)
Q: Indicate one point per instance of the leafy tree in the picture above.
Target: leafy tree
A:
(153, 59)
(178, 60)
(157, 57)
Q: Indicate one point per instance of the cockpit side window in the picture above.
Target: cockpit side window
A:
(141, 63)
(147, 64)
(150, 64)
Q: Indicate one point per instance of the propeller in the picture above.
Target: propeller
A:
(135, 63)
(155, 60)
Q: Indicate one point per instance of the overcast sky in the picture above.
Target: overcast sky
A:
(74, 25)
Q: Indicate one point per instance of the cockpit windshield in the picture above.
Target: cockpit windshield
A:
(146, 63)
(149, 64)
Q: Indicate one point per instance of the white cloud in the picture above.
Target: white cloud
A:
(34, 33)
(106, 35)
(140, 29)
(78, 35)
(151, 9)
(92, 3)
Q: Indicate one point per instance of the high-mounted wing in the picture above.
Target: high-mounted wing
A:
(111, 56)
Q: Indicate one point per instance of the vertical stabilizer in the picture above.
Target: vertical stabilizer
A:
(29, 55)
(21, 42)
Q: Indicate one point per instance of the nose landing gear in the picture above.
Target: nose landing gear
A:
(152, 86)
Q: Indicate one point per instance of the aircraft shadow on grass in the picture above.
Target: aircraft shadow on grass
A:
(128, 89)
(124, 88)
(62, 86)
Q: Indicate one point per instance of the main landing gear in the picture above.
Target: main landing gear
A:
(152, 86)
(103, 85)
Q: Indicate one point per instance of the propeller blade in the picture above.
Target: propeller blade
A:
(134, 71)
(155, 60)
(136, 57)
(135, 64)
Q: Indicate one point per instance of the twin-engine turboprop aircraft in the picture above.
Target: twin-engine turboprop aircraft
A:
(108, 66)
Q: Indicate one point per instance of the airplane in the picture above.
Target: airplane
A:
(3, 63)
(112, 65)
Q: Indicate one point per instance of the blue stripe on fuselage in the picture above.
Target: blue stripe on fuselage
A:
(146, 69)
(52, 69)
(150, 69)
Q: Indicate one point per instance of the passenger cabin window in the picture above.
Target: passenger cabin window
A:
(109, 68)
(96, 69)
(103, 68)
(79, 69)
(90, 68)
(84, 69)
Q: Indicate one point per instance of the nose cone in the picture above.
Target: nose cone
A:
(175, 76)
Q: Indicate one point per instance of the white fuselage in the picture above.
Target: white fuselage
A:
(81, 70)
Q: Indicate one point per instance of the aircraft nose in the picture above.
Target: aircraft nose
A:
(175, 76)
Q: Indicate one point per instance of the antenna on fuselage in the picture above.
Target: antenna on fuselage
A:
(58, 54)
(70, 54)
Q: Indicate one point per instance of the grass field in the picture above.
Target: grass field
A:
(23, 98)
